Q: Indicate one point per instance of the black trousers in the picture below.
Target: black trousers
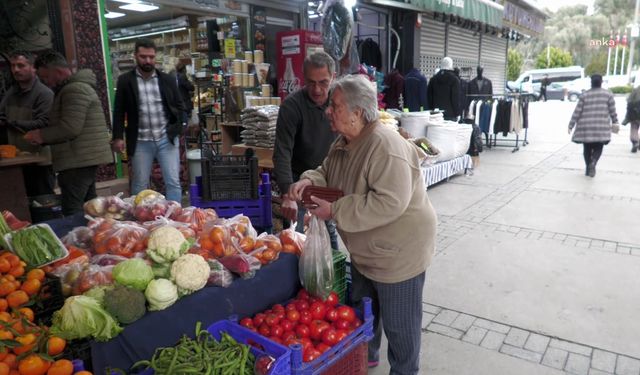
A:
(39, 179)
(592, 152)
(77, 185)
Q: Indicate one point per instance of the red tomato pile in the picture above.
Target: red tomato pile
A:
(308, 321)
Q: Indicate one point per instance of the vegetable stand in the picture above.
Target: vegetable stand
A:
(139, 340)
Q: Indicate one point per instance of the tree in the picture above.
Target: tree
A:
(597, 65)
(514, 64)
(557, 58)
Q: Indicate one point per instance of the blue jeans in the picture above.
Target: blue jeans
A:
(331, 227)
(168, 156)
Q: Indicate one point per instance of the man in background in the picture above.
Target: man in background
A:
(303, 134)
(77, 130)
(154, 110)
(25, 107)
(543, 87)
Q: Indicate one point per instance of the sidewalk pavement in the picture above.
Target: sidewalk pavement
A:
(537, 265)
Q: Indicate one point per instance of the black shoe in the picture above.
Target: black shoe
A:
(591, 170)
(634, 148)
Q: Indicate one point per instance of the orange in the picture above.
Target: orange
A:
(206, 244)
(17, 298)
(13, 260)
(33, 365)
(31, 286)
(18, 326)
(217, 235)
(27, 313)
(55, 345)
(17, 271)
(27, 342)
(4, 369)
(9, 278)
(3, 353)
(23, 264)
(6, 335)
(5, 266)
(61, 367)
(6, 287)
(4, 305)
(35, 273)
(5, 316)
(10, 360)
(83, 373)
(247, 244)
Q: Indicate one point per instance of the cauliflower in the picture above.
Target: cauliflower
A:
(161, 293)
(125, 304)
(166, 244)
(190, 273)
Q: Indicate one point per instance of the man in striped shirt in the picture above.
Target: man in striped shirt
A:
(153, 108)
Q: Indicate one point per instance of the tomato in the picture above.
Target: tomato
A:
(302, 331)
(310, 355)
(272, 320)
(264, 365)
(317, 310)
(305, 317)
(341, 324)
(280, 314)
(276, 339)
(303, 294)
(264, 330)
(317, 327)
(291, 306)
(332, 300)
(341, 334)
(346, 313)
(277, 331)
(331, 314)
(329, 337)
(293, 315)
(277, 307)
(322, 347)
(357, 323)
(306, 343)
(246, 322)
(302, 305)
(258, 319)
(287, 335)
(287, 325)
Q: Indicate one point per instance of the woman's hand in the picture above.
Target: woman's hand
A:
(322, 208)
(296, 189)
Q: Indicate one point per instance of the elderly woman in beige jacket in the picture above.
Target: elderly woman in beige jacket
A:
(385, 217)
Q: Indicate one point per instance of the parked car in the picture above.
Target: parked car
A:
(529, 81)
(557, 90)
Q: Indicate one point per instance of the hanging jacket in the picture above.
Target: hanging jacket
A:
(370, 54)
(415, 91)
(444, 93)
(394, 85)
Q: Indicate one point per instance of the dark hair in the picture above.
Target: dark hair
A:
(596, 81)
(26, 54)
(51, 58)
(145, 43)
(181, 68)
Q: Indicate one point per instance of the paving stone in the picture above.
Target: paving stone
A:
(555, 358)
(548, 235)
(571, 347)
(597, 243)
(584, 244)
(560, 237)
(577, 364)
(463, 322)
(537, 343)
(493, 340)
(444, 330)
(521, 353)
(426, 319)
(431, 309)
(474, 335)
(516, 337)
(610, 245)
(493, 326)
(627, 250)
(604, 361)
(627, 366)
(446, 317)
(593, 371)
(513, 230)
(569, 242)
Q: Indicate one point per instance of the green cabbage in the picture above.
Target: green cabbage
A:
(134, 273)
(161, 293)
(83, 317)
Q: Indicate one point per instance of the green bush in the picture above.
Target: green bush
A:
(621, 89)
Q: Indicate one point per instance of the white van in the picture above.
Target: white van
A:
(529, 81)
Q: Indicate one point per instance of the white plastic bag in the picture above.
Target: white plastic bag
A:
(315, 267)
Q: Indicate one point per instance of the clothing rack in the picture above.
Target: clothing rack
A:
(492, 139)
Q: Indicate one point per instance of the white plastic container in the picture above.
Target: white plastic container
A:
(415, 123)
(195, 168)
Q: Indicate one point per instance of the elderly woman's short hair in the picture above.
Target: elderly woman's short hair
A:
(359, 93)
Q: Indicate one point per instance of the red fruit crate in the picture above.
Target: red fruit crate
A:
(344, 358)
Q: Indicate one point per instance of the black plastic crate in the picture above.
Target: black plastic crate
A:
(229, 177)
(50, 300)
(79, 349)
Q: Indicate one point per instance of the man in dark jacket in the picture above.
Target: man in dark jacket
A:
(443, 91)
(154, 110)
(77, 130)
(25, 107)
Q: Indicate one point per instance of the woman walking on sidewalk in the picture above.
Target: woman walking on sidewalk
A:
(591, 120)
(633, 117)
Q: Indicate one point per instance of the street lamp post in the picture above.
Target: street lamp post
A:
(634, 36)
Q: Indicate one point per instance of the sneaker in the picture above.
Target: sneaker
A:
(592, 170)
(634, 148)
(373, 364)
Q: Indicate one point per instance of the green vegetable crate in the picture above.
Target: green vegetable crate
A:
(340, 275)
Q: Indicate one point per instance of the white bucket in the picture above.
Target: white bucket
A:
(415, 123)
(195, 168)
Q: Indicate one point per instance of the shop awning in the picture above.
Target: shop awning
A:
(484, 11)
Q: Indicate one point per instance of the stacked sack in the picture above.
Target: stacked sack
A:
(259, 125)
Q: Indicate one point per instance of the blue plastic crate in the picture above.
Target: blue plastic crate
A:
(364, 333)
(258, 210)
(259, 344)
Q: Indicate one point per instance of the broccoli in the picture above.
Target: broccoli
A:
(125, 304)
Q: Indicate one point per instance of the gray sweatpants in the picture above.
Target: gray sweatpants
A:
(397, 308)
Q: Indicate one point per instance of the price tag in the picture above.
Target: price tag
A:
(230, 48)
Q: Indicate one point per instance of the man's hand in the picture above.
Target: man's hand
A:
(289, 209)
(117, 145)
(569, 130)
(296, 189)
(34, 137)
(322, 208)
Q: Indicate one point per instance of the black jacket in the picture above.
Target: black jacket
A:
(443, 93)
(472, 89)
(126, 106)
